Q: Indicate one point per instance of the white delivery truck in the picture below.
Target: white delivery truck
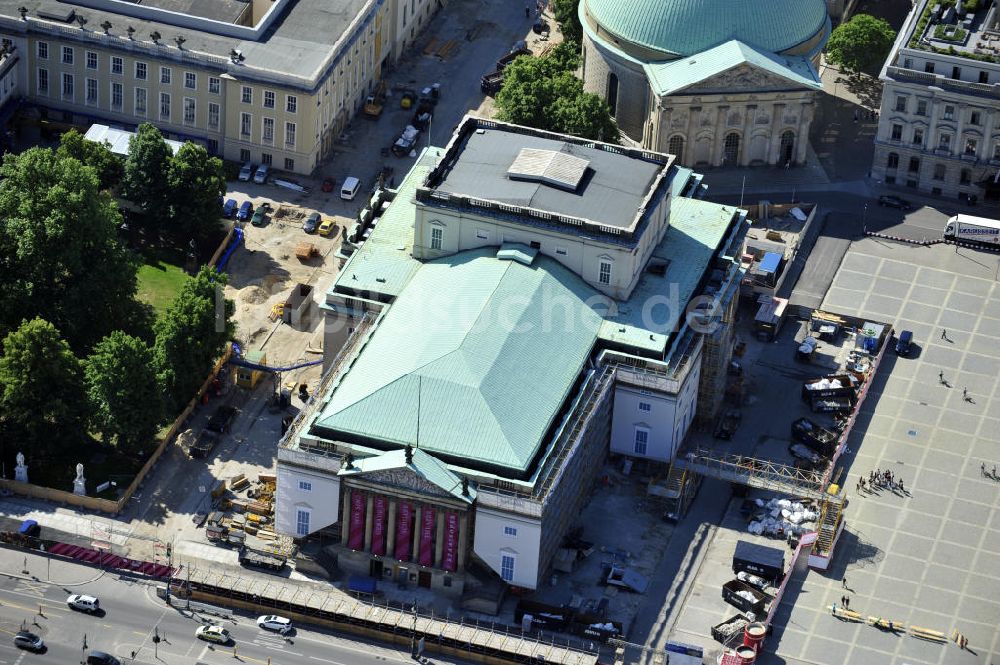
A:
(973, 229)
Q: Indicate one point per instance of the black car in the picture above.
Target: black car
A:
(890, 201)
(101, 658)
(311, 223)
(221, 419)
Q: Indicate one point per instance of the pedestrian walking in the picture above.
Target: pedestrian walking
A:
(527, 11)
(855, 115)
(965, 392)
(901, 485)
(982, 468)
(843, 582)
(941, 376)
(847, 602)
(944, 334)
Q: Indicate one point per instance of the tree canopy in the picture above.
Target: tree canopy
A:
(196, 181)
(43, 408)
(860, 44)
(123, 390)
(146, 168)
(191, 334)
(568, 18)
(60, 256)
(109, 166)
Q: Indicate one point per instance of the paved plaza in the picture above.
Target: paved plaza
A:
(929, 556)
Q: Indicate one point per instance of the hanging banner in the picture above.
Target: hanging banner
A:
(379, 506)
(427, 536)
(404, 531)
(450, 559)
(356, 535)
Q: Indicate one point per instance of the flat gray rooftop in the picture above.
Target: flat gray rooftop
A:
(610, 193)
(217, 10)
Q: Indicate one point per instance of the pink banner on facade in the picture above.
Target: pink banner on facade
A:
(378, 525)
(450, 559)
(427, 536)
(404, 531)
(356, 535)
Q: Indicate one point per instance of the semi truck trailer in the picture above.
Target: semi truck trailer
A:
(973, 229)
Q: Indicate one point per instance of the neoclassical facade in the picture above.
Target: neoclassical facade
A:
(713, 82)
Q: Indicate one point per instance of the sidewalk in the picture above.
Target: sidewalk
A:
(49, 569)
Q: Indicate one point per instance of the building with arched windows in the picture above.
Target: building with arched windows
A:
(713, 82)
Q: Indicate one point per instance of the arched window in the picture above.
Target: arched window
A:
(676, 147)
(731, 156)
(892, 161)
(787, 153)
(612, 94)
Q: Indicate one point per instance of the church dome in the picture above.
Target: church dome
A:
(679, 28)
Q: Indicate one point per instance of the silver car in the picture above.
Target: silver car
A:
(27, 640)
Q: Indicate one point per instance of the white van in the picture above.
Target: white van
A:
(350, 188)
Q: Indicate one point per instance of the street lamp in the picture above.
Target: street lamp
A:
(83, 650)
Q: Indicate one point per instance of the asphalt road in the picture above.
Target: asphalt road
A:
(133, 615)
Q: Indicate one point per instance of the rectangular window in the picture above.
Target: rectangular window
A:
(291, 104)
(949, 112)
(116, 96)
(984, 77)
(921, 107)
(91, 60)
(971, 145)
(267, 131)
(140, 102)
(560, 251)
(214, 85)
(43, 50)
(641, 440)
(939, 172)
(117, 65)
(246, 125)
(190, 80)
(897, 132)
(67, 55)
(140, 71)
(604, 273)
(944, 142)
(901, 103)
(506, 560)
(918, 136)
(213, 115)
(510, 531)
(437, 235)
(965, 177)
(269, 99)
(289, 134)
(956, 72)
(67, 86)
(244, 155)
(289, 164)
(189, 110)
(247, 95)
(914, 165)
(43, 81)
(645, 407)
(996, 150)
(302, 522)
(305, 486)
(165, 75)
(482, 235)
(164, 106)
(975, 118)
(929, 67)
(266, 158)
(92, 91)
(213, 147)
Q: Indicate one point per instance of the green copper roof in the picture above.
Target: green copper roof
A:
(686, 27)
(473, 361)
(426, 466)
(667, 78)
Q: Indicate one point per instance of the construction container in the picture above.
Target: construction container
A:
(249, 378)
(760, 560)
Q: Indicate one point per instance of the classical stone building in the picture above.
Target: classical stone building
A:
(714, 82)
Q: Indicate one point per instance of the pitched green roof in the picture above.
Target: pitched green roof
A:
(686, 27)
(462, 347)
(426, 466)
(667, 78)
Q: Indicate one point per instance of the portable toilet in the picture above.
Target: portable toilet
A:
(246, 377)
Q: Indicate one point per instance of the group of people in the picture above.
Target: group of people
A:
(880, 479)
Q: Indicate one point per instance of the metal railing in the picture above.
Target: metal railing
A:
(756, 472)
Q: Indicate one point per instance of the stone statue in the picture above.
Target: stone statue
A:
(20, 459)
(409, 454)
(79, 471)
(21, 470)
(80, 483)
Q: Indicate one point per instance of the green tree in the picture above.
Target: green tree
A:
(565, 57)
(145, 180)
(191, 334)
(860, 44)
(60, 256)
(585, 115)
(124, 394)
(109, 166)
(568, 17)
(42, 398)
(196, 182)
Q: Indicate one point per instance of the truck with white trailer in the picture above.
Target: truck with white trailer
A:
(973, 229)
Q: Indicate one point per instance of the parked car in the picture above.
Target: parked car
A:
(246, 209)
(229, 208)
(274, 622)
(327, 227)
(892, 201)
(24, 639)
(102, 658)
(203, 446)
(328, 185)
(83, 603)
(312, 221)
(222, 419)
(262, 173)
(259, 217)
(904, 343)
(216, 634)
(246, 172)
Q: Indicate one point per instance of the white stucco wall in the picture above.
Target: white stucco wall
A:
(668, 419)
(322, 500)
(491, 543)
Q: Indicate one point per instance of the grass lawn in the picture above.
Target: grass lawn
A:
(159, 283)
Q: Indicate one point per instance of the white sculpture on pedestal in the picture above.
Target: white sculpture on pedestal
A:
(80, 484)
(20, 471)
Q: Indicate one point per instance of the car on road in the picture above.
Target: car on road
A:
(229, 208)
(274, 622)
(246, 209)
(905, 343)
(24, 639)
(216, 634)
(312, 221)
(102, 658)
(84, 603)
(259, 217)
(327, 227)
(246, 172)
(892, 201)
(222, 419)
